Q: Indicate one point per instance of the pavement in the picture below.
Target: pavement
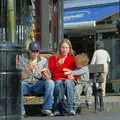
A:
(112, 103)
(111, 112)
(90, 116)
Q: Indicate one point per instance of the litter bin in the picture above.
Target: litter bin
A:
(10, 85)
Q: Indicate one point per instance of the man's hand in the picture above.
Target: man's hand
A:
(44, 69)
(45, 73)
(31, 66)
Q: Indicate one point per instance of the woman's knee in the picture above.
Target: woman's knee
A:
(58, 83)
(69, 83)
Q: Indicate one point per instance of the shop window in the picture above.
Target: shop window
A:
(117, 52)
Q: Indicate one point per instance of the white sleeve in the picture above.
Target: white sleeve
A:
(108, 59)
(93, 58)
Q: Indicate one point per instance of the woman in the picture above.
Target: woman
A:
(64, 86)
(101, 56)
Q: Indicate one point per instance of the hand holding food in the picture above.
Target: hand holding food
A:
(45, 73)
(31, 66)
(66, 70)
(61, 61)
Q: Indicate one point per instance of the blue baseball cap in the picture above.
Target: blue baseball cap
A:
(34, 46)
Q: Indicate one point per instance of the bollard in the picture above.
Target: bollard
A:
(10, 85)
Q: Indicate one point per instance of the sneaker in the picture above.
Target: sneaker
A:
(24, 114)
(57, 113)
(47, 113)
(72, 112)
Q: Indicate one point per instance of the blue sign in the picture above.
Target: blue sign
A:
(91, 13)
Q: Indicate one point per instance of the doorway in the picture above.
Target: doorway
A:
(85, 43)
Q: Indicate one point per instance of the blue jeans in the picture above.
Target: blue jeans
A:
(64, 88)
(45, 87)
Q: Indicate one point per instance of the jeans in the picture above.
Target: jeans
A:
(64, 88)
(45, 87)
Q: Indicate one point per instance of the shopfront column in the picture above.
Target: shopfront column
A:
(100, 36)
(44, 10)
(51, 18)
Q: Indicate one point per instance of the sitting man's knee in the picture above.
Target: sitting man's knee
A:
(50, 83)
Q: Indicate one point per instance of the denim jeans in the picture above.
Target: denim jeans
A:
(64, 88)
(45, 87)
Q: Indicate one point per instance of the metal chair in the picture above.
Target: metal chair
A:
(96, 71)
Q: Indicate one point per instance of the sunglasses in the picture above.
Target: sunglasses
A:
(35, 51)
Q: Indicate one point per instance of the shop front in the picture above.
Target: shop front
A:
(33, 20)
(85, 25)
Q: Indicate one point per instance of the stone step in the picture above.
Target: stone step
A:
(111, 103)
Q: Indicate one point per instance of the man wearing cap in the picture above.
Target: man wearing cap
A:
(33, 80)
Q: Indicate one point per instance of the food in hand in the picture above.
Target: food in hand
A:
(66, 69)
(33, 64)
(67, 73)
(44, 69)
(34, 61)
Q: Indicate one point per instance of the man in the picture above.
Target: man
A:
(101, 56)
(33, 78)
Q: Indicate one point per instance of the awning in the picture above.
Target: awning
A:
(88, 16)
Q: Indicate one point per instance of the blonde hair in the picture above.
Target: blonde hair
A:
(82, 58)
(70, 47)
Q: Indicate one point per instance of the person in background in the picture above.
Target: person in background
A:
(35, 78)
(64, 86)
(101, 56)
(83, 83)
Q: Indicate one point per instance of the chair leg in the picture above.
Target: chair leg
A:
(96, 101)
(101, 101)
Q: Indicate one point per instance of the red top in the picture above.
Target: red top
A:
(57, 70)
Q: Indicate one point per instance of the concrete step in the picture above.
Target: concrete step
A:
(111, 103)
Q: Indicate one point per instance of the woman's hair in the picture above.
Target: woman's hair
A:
(83, 58)
(70, 47)
(99, 44)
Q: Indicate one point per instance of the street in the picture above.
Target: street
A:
(84, 116)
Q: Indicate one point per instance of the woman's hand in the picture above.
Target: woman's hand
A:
(68, 72)
(61, 61)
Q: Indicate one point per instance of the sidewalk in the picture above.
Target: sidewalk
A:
(111, 104)
(91, 116)
(111, 112)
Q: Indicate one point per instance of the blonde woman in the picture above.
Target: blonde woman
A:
(63, 85)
